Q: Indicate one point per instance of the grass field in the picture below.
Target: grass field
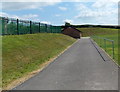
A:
(98, 31)
(24, 53)
(106, 33)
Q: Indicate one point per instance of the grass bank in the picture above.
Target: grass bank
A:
(106, 33)
(109, 48)
(24, 53)
(98, 31)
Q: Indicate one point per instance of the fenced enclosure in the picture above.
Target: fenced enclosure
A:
(12, 26)
(107, 44)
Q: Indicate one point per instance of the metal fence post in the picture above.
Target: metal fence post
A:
(39, 27)
(3, 30)
(18, 26)
(51, 28)
(113, 48)
(46, 27)
(30, 27)
(105, 44)
(100, 41)
(55, 29)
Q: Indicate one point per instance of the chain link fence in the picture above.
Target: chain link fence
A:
(12, 26)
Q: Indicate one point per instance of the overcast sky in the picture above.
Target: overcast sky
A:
(57, 12)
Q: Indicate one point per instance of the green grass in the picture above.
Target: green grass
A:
(25, 53)
(106, 33)
(0, 63)
(98, 31)
(109, 45)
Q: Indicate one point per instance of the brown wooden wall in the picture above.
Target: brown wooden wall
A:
(72, 32)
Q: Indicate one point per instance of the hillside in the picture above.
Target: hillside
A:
(98, 31)
(24, 53)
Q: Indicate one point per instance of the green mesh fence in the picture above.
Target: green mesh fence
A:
(1, 26)
(24, 27)
(43, 28)
(15, 27)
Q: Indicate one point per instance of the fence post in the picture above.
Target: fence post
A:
(30, 27)
(100, 41)
(105, 44)
(55, 29)
(51, 28)
(39, 27)
(18, 26)
(113, 48)
(3, 29)
(46, 27)
(60, 30)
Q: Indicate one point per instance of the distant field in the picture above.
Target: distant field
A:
(98, 31)
(106, 33)
(25, 53)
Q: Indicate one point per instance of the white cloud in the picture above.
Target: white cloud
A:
(95, 14)
(46, 22)
(33, 17)
(106, 4)
(90, 0)
(99, 12)
(55, 0)
(62, 8)
(52, 1)
(25, 5)
(80, 7)
(29, 16)
(68, 20)
(3, 14)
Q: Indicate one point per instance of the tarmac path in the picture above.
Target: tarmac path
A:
(81, 67)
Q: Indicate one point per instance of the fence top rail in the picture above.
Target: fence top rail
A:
(109, 40)
(9, 19)
(24, 21)
(103, 38)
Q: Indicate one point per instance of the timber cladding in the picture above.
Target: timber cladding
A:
(73, 32)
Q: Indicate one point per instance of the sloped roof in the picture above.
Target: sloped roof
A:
(72, 28)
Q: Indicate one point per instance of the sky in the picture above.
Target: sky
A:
(57, 12)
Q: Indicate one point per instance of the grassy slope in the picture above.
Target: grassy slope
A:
(24, 53)
(104, 32)
(98, 31)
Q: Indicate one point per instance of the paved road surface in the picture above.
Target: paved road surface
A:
(81, 67)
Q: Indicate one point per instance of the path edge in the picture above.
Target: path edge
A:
(106, 53)
(32, 74)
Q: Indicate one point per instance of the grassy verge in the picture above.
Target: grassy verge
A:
(98, 31)
(106, 33)
(109, 45)
(24, 53)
